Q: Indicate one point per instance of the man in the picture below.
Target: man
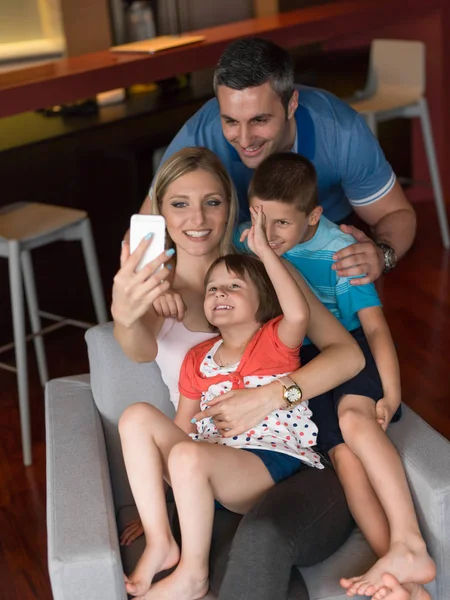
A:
(258, 111)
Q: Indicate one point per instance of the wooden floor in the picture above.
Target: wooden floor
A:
(416, 300)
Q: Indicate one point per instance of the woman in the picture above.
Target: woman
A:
(291, 524)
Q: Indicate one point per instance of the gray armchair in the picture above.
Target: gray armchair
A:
(88, 496)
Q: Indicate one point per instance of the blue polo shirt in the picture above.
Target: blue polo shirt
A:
(314, 260)
(351, 167)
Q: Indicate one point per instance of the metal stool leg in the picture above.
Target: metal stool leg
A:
(15, 279)
(90, 258)
(434, 172)
(33, 310)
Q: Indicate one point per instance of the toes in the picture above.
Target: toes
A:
(381, 594)
(358, 587)
(371, 590)
(391, 582)
(346, 583)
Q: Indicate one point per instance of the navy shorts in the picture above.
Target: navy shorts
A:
(280, 466)
(324, 407)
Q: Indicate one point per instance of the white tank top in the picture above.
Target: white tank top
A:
(174, 341)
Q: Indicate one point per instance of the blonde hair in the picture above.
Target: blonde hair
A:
(186, 161)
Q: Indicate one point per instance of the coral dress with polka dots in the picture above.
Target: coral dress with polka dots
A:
(289, 431)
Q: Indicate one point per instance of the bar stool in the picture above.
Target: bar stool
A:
(25, 226)
(395, 88)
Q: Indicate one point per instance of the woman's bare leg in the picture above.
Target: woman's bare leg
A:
(407, 558)
(201, 472)
(147, 437)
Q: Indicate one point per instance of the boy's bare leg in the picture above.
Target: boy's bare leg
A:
(361, 499)
(407, 558)
(200, 472)
(393, 590)
(371, 519)
(147, 437)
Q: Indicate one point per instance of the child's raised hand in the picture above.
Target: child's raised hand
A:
(256, 235)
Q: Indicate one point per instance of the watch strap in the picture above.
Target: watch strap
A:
(286, 381)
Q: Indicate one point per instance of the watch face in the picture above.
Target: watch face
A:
(293, 394)
(390, 258)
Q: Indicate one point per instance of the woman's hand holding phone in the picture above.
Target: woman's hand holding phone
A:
(135, 291)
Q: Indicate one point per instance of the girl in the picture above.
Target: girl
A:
(194, 193)
(254, 347)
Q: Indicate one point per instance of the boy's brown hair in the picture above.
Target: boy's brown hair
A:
(286, 177)
(242, 264)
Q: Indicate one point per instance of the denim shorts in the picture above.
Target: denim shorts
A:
(280, 466)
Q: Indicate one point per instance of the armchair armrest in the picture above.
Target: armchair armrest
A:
(426, 459)
(83, 547)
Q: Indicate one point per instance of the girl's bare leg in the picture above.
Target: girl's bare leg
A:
(147, 437)
(407, 559)
(201, 472)
(361, 499)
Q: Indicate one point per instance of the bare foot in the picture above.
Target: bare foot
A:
(182, 584)
(155, 558)
(393, 590)
(407, 565)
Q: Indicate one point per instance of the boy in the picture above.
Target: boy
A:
(370, 470)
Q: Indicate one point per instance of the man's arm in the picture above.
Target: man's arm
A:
(393, 221)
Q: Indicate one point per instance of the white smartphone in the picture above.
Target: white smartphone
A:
(142, 225)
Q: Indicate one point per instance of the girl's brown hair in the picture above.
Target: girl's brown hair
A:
(186, 161)
(244, 264)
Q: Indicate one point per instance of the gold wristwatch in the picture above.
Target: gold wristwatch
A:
(291, 393)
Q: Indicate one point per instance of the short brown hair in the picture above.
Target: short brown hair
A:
(241, 264)
(286, 177)
(251, 62)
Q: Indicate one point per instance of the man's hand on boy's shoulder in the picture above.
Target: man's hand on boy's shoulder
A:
(362, 258)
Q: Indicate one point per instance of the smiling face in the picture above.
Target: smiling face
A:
(286, 226)
(230, 299)
(196, 210)
(255, 122)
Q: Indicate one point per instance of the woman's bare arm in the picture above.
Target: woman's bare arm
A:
(340, 357)
(136, 324)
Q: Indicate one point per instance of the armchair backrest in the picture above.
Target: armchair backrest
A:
(116, 383)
